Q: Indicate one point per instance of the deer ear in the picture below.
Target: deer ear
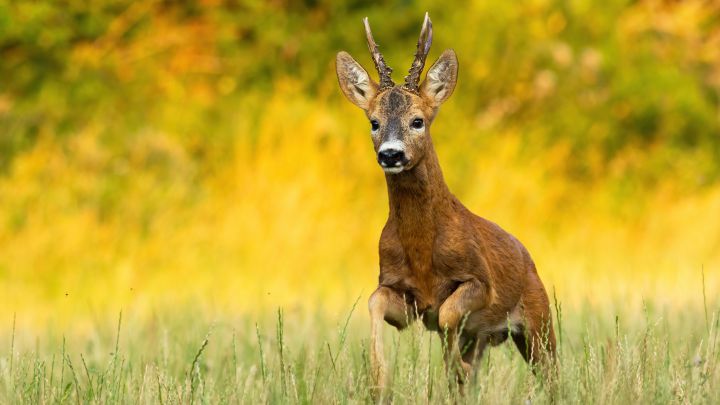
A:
(354, 81)
(441, 78)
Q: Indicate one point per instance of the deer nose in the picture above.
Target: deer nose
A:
(391, 157)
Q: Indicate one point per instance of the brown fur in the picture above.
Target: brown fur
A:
(457, 272)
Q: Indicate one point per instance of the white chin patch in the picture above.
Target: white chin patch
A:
(393, 170)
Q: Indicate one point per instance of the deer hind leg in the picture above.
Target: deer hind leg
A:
(472, 347)
(470, 296)
(385, 305)
(536, 340)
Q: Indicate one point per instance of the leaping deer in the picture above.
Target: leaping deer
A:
(461, 274)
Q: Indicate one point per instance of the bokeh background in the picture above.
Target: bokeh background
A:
(159, 154)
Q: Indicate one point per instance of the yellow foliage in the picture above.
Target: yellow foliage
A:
(294, 222)
(288, 209)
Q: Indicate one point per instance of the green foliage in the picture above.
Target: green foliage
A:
(609, 79)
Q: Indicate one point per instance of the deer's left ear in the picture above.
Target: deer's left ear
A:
(441, 78)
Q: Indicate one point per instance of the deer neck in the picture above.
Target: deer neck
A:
(419, 199)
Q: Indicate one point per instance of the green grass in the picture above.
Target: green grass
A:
(653, 355)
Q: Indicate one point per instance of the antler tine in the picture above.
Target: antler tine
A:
(383, 69)
(423, 47)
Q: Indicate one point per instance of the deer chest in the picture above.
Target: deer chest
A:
(426, 277)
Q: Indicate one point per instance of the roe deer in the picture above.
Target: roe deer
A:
(462, 275)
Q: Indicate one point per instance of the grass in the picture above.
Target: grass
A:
(655, 355)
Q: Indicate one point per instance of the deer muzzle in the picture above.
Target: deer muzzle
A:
(392, 157)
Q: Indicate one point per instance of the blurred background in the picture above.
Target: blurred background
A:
(161, 154)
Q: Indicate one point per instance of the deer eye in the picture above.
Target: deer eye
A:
(417, 123)
(374, 125)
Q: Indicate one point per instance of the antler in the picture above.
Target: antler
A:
(423, 47)
(383, 69)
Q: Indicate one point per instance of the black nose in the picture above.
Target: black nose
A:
(391, 157)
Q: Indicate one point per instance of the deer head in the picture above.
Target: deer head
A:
(400, 115)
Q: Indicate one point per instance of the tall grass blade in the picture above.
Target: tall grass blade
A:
(263, 367)
(195, 367)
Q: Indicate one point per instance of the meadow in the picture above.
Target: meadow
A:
(196, 168)
(656, 357)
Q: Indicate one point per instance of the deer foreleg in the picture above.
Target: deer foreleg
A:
(470, 296)
(385, 305)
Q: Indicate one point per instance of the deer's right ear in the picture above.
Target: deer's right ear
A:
(354, 81)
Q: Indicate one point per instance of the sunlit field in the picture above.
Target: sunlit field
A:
(190, 209)
(652, 357)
